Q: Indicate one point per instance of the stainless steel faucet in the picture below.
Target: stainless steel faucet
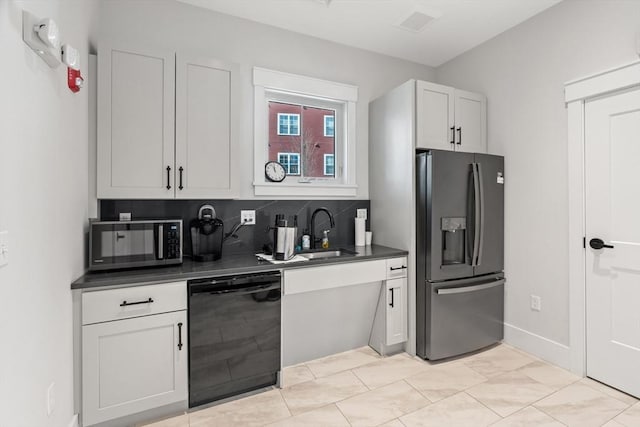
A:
(313, 221)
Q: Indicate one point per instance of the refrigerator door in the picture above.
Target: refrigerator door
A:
(491, 237)
(444, 188)
(461, 316)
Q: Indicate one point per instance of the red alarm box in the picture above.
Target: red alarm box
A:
(74, 79)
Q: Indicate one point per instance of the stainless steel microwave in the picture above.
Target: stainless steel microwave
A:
(129, 244)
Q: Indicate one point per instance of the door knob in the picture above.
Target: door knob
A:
(598, 244)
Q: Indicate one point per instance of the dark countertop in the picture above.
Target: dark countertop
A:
(231, 264)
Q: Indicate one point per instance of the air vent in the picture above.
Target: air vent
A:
(416, 22)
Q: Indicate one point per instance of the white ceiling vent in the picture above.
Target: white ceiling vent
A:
(416, 22)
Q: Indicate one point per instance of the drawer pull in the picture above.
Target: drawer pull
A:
(180, 336)
(125, 303)
(398, 268)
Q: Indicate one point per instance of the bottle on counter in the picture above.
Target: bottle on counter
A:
(306, 240)
(325, 239)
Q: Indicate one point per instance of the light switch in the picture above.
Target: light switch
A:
(4, 248)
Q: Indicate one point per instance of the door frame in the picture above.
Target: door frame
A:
(577, 93)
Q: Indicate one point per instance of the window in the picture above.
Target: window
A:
(288, 124)
(291, 162)
(308, 125)
(329, 167)
(329, 125)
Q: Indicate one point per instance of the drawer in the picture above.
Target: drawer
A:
(396, 267)
(124, 303)
(310, 279)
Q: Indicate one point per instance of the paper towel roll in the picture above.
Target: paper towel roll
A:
(360, 230)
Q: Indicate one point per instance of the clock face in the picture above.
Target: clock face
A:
(274, 171)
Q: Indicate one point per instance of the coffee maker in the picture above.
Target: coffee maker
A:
(284, 238)
(207, 232)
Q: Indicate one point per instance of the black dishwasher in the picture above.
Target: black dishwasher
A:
(234, 335)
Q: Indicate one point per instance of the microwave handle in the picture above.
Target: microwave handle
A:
(160, 241)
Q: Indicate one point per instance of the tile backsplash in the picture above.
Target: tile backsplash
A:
(251, 238)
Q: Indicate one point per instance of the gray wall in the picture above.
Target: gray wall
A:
(179, 26)
(522, 72)
(43, 205)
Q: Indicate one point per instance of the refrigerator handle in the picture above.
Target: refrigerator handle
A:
(476, 214)
(481, 187)
(465, 289)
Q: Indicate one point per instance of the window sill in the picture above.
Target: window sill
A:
(304, 190)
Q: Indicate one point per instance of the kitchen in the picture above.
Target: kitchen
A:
(46, 167)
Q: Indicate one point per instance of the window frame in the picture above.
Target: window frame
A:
(270, 85)
(289, 115)
(324, 161)
(324, 130)
(288, 165)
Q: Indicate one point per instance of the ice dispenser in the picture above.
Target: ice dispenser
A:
(454, 230)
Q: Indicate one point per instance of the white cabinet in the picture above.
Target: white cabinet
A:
(133, 358)
(135, 123)
(166, 125)
(450, 119)
(390, 323)
(396, 311)
(206, 104)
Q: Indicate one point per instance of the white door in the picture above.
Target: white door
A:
(135, 153)
(471, 122)
(434, 116)
(396, 311)
(133, 365)
(612, 165)
(206, 135)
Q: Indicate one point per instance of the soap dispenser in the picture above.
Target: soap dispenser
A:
(325, 239)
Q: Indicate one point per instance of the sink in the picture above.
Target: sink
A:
(328, 253)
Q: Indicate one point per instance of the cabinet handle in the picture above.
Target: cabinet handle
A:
(180, 336)
(459, 136)
(125, 303)
(180, 187)
(168, 177)
(391, 303)
(453, 134)
(398, 268)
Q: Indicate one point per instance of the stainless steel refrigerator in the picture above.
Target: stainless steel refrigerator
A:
(459, 252)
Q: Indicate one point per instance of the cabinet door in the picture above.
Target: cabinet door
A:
(133, 365)
(206, 131)
(434, 116)
(135, 123)
(471, 122)
(396, 311)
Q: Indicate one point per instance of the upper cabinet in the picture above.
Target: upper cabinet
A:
(166, 125)
(206, 107)
(450, 119)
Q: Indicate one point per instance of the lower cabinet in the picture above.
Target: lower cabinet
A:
(134, 364)
(396, 311)
(390, 322)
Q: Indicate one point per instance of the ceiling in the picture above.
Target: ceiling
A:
(458, 25)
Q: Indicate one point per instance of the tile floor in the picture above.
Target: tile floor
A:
(501, 386)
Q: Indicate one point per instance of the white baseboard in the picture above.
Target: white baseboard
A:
(544, 348)
(74, 421)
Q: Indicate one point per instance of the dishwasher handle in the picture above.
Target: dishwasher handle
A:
(222, 288)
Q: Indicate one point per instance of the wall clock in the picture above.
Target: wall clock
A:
(274, 171)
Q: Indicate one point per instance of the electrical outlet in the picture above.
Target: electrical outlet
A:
(51, 399)
(536, 303)
(125, 216)
(361, 213)
(248, 217)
